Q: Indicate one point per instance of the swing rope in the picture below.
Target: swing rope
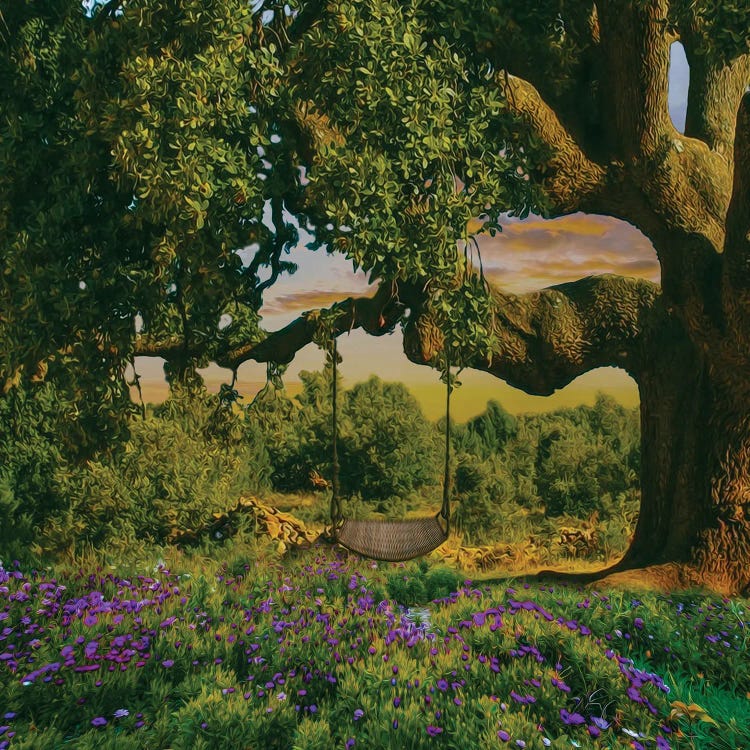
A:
(390, 541)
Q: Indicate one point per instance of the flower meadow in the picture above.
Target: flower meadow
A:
(325, 650)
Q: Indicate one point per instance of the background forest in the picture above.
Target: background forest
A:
(516, 479)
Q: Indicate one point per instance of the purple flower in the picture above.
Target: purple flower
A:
(434, 731)
(10, 715)
(634, 695)
(457, 701)
(571, 718)
(168, 663)
(358, 713)
(661, 743)
(442, 685)
(600, 722)
(396, 702)
(560, 685)
(121, 713)
(99, 721)
(503, 735)
(350, 743)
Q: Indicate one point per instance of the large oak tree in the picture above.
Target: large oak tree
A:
(154, 153)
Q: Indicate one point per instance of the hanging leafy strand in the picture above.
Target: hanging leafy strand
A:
(417, 142)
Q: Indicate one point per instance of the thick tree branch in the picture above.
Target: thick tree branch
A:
(548, 338)
(714, 95)
(635, 80)
(545, 339)
(569, 177)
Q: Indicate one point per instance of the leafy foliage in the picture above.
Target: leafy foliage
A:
(387, 449)
(173, 474)
(30, 456)
(138, 158)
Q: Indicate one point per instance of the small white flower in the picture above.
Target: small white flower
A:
(630, 733)
(121, 713)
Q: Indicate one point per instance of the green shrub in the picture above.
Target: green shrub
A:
(169, 477)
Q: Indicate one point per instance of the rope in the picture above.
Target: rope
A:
(335, 499)
(445, 511)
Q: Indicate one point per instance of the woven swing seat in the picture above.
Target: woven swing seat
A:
(389, 541)
(392, 541)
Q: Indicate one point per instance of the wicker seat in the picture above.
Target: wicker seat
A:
(392, 541)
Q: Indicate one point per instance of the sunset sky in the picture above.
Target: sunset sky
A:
(527, 255)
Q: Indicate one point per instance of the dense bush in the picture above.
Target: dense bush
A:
(387, 448)
(30, 455)
(571, 462)
(171, 475)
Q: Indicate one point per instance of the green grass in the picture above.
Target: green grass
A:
(319, 651)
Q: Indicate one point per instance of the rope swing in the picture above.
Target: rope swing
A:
(390, 541)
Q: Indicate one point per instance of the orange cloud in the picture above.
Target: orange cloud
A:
(536, 253)
(305, 300)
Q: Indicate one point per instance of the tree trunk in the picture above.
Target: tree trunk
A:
(694, 522)
(674, 484)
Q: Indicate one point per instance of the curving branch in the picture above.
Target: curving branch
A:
(717, 83)
(546, 339)
(715, 92)
(570, 178)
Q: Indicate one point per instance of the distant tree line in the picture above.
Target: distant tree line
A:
(193, 455)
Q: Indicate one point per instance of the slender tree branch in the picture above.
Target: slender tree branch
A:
(150, 346)
(377, 315)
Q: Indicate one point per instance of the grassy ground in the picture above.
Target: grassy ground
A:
(326, 651)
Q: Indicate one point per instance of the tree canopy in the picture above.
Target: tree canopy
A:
(158, 157)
